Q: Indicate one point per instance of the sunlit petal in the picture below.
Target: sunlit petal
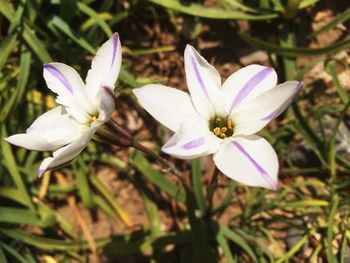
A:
(105, 66)
(245, 84)
(171, 107)
(203, 81)
(191, 141)
(250, 160)
(66, 153)
(50, 131)
(254, 115)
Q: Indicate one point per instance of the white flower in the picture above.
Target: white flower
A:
(68, 128)
(222, 119)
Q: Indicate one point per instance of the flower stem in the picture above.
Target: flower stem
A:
(154, 155)
(213, 185)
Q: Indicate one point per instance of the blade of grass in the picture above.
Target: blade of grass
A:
(13, 252)
(330, 226)
(102, 189)
(238, 240)
(81, 173)
(220, 238)
(293, 51)
(208, 12)
(343, 17)
(294, 249)
(7, 46)
(198, 187)
(157, 178)
(12, 168)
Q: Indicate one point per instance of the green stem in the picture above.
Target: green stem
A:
(213, 185)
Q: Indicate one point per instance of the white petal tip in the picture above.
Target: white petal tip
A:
(41, 172)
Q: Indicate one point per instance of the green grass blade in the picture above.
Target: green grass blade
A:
(12, 168)
(2, 255)
(330, 224)
(49, 243)
(24, 69)
(75, 36)
(7, 45)
(220, 238)
(81, 173)
(292, 51)
(239, 241)
(343, 17)
(198, 187)
(331, 69)
(13, 252)
(294, 249)
(208, 12)
(110, 198)
(96, 17)
(156, 177)
(36, 44)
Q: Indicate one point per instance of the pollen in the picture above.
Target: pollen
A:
(221, 127)
(93, 119)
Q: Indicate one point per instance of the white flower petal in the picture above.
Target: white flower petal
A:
(50, 131)
(245, 84)
(66, 82)
(204, 83)
(191, 141)
(66, 153)
(250, 160)
(106, 104)
(105, 66)
(169, 106)
(254, 115)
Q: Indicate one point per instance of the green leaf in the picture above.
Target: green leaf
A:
(35, 44)
(49, 243)
(198, 187)
(208, 12)
(81, 173)
(7, 45)
(292, 51)
(19, 216)
(2, 256)
(157, 178)
(330, 226)
(343, 17)
(96, 17)
(12, 168)
(76, 37)
(293, 250)
(110, 198)
(24, 70)
(13, 252)
(220, 238)
(238, 240)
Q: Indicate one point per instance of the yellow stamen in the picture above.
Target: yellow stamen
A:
(222, 135)
(223, 129)
(93, 118)
(217, 131)
(229, 124)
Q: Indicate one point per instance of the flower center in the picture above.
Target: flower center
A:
(222, 127)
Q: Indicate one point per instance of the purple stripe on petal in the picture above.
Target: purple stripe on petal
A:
(193, 144)
(265, 175)
(58, 75)
(249, 86)
(270, 116)
(198, 76)
(115, 47)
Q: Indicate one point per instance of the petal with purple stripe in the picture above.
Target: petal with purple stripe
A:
(194, 143)
(249, 86)
(203, 81)
(198, 76)
(261, 170)
(59, 76)
(250, 160)
(115, 46)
